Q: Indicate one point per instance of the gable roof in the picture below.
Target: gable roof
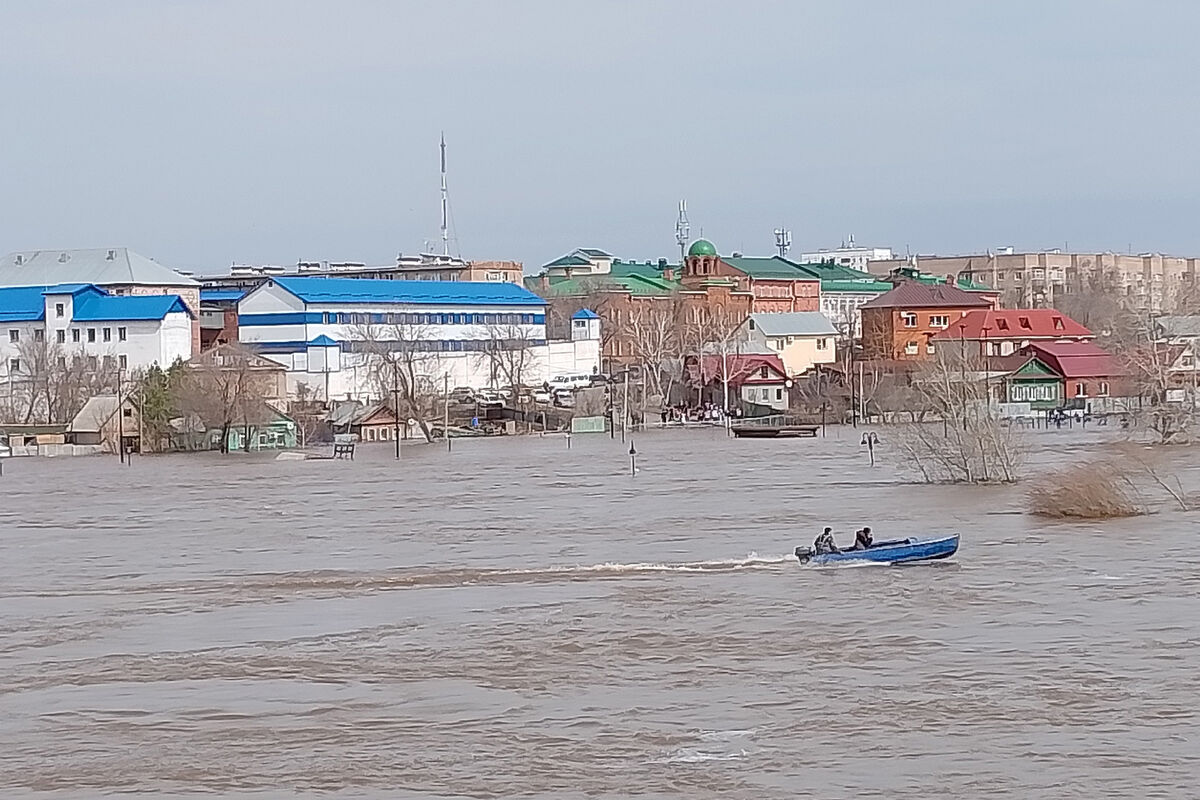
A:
(742, 368)
(319, 289)
(1076, 359)
(97, 411)
(585, 313)
(773, 267)
(101, 266)
(794, 323)
(22, 304)
(913, 294)
(1183, 327)
(1015, 323)
(569, 260)
(91, 304)
(101, 307)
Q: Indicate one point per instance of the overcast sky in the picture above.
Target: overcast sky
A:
(202, 133)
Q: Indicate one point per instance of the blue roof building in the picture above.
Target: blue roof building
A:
(41, 324)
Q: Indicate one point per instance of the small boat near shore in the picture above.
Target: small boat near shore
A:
(895, 551)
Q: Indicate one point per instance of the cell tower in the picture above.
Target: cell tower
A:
(683, 230)
(445, 202)
(783, 241)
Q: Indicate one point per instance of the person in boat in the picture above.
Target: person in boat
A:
(863, 539)
(825, 543)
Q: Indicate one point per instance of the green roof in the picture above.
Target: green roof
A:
(637, 284)
(771, 267)
(702, 247)
(876, 287)
(568, 261)
(828, 271)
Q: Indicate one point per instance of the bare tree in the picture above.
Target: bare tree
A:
(605, 298)
(972, 444)
(224, 387)
(651, 329)
(510, 357)
(50, 385)
(402, 365)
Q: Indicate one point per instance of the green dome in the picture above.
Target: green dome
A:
(702, 247)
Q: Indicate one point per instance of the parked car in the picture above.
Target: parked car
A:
(541, 396)
(568, 382)
(488, 398)
(599, 379)
(462, 395)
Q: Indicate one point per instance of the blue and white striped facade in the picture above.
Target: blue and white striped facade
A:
(455, 321)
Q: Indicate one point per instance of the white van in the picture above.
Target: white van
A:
(570, 382)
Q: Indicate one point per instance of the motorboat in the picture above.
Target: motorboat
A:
(895, 551)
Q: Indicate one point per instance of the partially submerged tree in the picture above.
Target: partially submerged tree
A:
(51, 385)
(402, 366)
(225, 387)
(971, 444)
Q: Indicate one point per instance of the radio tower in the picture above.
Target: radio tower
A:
(783, 241)
(683, 230)
(445, 225)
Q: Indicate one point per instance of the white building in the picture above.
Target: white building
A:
(81, 320)
(801, 339)
(848, 255)
(324, 331)
(116, 270)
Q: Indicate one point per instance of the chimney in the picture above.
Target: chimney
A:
(668, 273)
(544, 282)
(20, 259)
(63, 258)
(112, 254)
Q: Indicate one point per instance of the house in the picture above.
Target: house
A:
(757, 382)
(104, 422)
(85, 321)
(377, 423)
(273, 430)
(218, 316)
(118, 271)
(332, 333)
(1002, 332)
(900, 323)
(1088, 372)
(801, 338)
(1025, 378)
(269, 378)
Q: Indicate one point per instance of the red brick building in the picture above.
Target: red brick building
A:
(900, 324)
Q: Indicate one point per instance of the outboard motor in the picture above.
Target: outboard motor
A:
(804, 554)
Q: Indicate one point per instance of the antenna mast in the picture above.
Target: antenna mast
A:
(683, 230)
(783, 241)
(445, 225)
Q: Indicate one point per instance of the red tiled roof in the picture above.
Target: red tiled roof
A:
(911, 294)
(1015, 323)
(743, 368)
(1076, 359)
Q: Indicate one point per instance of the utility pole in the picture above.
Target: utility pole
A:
(396, 409)
(445, 203)
(120, 420)
(625, 405)
(962, 370)
(987, 370)
(446, 411)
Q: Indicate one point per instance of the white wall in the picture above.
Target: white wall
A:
(146, 341)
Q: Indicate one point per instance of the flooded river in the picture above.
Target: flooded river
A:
(522, 619)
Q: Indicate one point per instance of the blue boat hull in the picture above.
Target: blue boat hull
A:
(901, 551)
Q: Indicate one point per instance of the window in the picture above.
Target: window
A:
(763, 373)
(1102, 390)
(91, 335)
(59, 309)
(822, 344)
(62, 362)
(121, 334)
(92, 362)
(14, 365)
(127, 413)
(14, 336)
(930, 348)
(779, 394)
(75, 335)
(39, 335)
(60, 337)
(1081, 390)
(910, 349)
(939, 321)
(124, 362)
(108, 334)
(909, 319)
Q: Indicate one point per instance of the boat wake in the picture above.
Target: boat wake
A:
(336, 582)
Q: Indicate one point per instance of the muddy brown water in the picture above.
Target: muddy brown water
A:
(517, 619)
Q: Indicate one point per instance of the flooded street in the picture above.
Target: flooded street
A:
(518, 618)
